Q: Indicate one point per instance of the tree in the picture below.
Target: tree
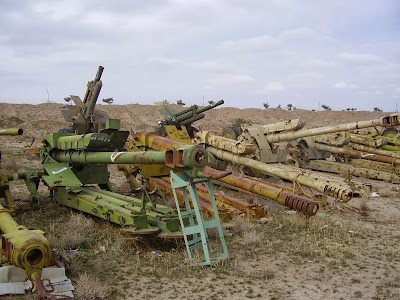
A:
(325, 107)
(377, 109)
(289, 106)
(180, 102)
(108, 100)
(279, 106)
(67, 99)
(266, 105)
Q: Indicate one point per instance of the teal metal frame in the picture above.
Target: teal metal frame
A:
(194, 226)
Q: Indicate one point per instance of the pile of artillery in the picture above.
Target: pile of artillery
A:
(178, 162)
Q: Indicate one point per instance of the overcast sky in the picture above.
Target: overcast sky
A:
(248, 52)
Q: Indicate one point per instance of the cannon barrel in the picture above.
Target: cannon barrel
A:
(191, 157)
(190, 114)
(211, 106)
(27, 249)
(11, 131)
(92, 94)
(330, 188)
(389, 120)
(290, 200)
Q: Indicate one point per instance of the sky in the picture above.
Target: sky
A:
(339, 53)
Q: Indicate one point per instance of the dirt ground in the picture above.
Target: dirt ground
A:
(339, 254)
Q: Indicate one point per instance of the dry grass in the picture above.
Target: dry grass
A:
(10, 165)
(77, 233)
(90, 288)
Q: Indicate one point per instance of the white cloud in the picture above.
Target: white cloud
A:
(232, 79)
(273, 86)
(208, 66)
(305, 34)
(172, 62)
(360, 58)
(262, 43)
(344, 85)
(305, 79)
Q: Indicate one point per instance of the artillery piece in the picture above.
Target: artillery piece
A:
(178, 125)
(266, 137)
(5, 178)
(76, 159)
(83, 116)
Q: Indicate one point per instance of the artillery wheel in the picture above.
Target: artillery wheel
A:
(389, 132)
(230, 133)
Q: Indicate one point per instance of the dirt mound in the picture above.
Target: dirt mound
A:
(10, 122)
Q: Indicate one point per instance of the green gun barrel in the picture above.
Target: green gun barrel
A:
(11, 131)
(27, 249)
(191, 158)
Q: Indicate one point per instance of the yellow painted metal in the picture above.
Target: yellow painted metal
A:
(213, 139)
(27, 249)
(178, 133)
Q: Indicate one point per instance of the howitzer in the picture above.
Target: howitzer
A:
(179, 124)
(265, 137)
(74, 159)
(296, 202)
(72, 162)
(83, 116)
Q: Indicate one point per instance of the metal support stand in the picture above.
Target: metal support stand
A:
(193, 225)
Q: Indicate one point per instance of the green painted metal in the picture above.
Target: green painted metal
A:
(83, 117)
(194, 226)
(93, 203)
(82, 157)
(11, 131)
(5, 191)
(186, 116)
(32, 180)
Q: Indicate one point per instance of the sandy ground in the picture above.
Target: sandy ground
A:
(338, 255)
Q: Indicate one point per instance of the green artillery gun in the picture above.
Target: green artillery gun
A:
(75, 160)
(4, 177)
(179, 124)
(83, 116)
(74, 163)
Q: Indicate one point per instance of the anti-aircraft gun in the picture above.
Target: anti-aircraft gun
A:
(179, 124)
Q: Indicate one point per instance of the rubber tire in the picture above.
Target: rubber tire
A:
(230, 133)
(389, 132)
